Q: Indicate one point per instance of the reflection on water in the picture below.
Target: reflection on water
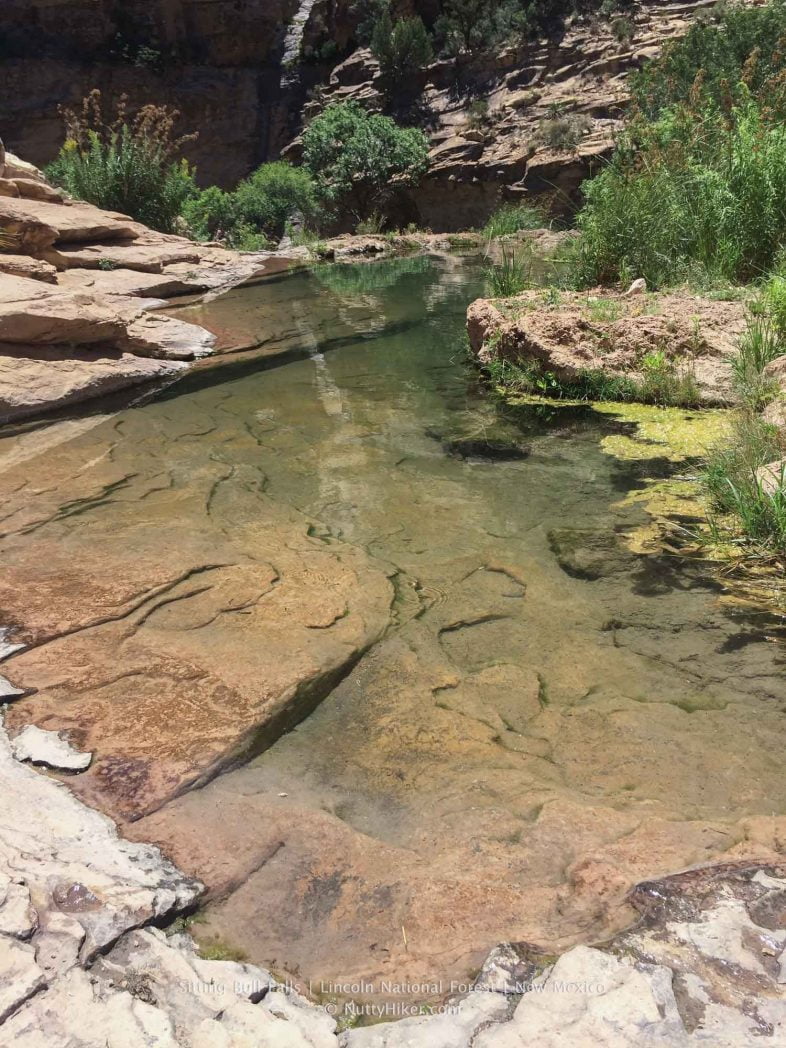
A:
(550, 716)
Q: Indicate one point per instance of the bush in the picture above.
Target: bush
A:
(128, 165)
(403, 48)
(698, 190)
(358, 158)
(738, 52)
(735, 488)
(563, 133)
(258, 211)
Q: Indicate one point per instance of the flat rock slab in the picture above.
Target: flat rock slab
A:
(166, 337)
(20, 976)
(73, 862)
(24, 266)
(218, 605)
(36, 379)
(137, 255)
(36, 313)
(44, 223)
(47, 747)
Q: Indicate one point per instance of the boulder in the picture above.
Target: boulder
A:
(48, 747)
(42, 223)
(37, 379)
(135, 255)
(618, 336)
(157, 335)
(33, 313)
(25, 266)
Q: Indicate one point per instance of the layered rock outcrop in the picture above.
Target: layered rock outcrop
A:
(526, 122)
(77, 285)
(535, 120)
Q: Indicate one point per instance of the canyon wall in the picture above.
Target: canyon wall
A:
(533, 120)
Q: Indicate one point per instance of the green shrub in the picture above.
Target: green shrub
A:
(357, 158)
(257, 212)
(128, 165)
(402, 48)
(726, 56)
(512, 218)
(695, 191)
(211, 215)
(268, 198)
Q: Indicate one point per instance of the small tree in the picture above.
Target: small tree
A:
(403, 48)
(127, 164)
(357, 158)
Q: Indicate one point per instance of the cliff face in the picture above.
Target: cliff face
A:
(217, 61)
(246, 74)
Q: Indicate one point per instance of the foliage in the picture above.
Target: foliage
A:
(736, 488)
(358, 158)
(738, 51)
(475, 25)
(511, 218)
(696, 191)
(564, 132)
(402, 48)
(128, 165)
(511, 275)
(697, 185)
(257, 212)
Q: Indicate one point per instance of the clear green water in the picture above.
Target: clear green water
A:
(549, 717)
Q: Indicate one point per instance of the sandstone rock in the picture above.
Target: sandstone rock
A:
(136, 255)
(37, 189)
(600, 1000)
(154, 335)
(8, 188)
(24, 266)
(638, 287)
(775, 412)
(18, 918)
(460, 1026)
(47, 747)
(20, 976)
(33, 313)
(38, 379)
(68, 845)
(8, 691)
(15, 167)
(42, 223)
(614, 335)
(771, 476)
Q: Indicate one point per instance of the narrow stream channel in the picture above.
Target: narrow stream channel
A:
(549, 716)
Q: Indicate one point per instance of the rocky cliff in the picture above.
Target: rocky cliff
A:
(246, 74)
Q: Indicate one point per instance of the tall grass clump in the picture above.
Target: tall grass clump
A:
(126, 163)
(694, 192)
(510, 276)
(512, 218)
(697, 185)
(737, 486)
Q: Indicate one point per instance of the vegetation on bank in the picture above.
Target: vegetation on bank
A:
(695, 195)
(354, 162)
